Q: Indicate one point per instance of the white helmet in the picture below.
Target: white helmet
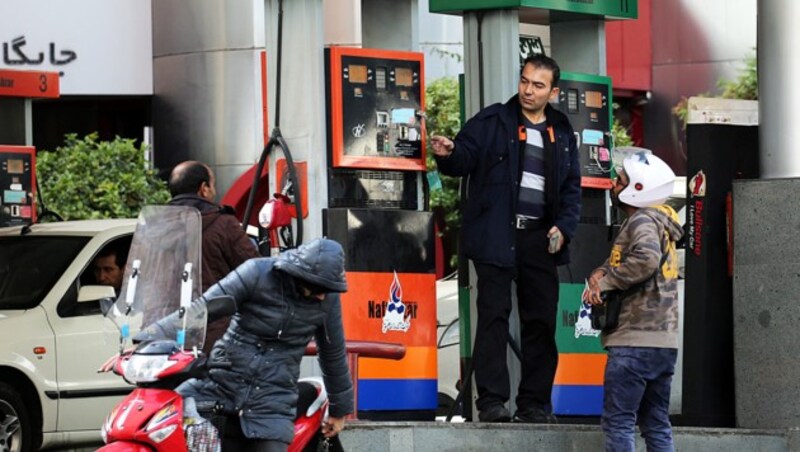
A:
(650, 180)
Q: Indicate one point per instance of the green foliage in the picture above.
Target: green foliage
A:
(91, 179)
(443, 112)
(744, 87)
(442, 108)
(620, 134)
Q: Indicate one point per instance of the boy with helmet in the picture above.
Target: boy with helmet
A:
(642, 265)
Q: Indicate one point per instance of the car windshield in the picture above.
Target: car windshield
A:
(29, 266)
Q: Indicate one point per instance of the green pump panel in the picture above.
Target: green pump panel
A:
(586, 100)
(609, 9)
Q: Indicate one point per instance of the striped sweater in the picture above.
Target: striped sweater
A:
(649, 316)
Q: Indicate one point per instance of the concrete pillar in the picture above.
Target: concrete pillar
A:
(390, 24)
(778, 91)
(579, 46)
(765, 285)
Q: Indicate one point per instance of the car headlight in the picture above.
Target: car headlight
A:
(146, 368)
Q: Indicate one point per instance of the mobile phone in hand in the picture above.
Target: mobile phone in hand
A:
(552, 248)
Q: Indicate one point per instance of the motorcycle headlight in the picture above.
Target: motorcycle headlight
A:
(146, 368)
(107, 424)
(162, 434)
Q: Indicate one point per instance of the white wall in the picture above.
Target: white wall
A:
(102, 47)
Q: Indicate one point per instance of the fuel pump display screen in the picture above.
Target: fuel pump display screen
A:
(358, 73)
(594, 99)
(404, 77)
(374, 99)
(16, 166)
(586, 100)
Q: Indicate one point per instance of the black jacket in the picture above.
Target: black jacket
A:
(488, 150)
(267, 338)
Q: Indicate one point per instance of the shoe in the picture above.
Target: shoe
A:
(494, 413)
(535, 415)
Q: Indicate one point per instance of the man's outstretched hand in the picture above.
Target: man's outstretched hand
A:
(442, 146)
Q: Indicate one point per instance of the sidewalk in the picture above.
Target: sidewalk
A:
(444, 437)
(466, 437)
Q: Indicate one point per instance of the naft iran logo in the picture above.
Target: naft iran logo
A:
(397, 317)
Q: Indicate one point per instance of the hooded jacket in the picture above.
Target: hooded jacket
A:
(649, 314)
(488, 150)
(268, 335)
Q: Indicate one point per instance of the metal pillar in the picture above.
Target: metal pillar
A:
(579, 46)
(778, 91)
(207, 85)
(302, 114)
(14, 120)
(390, 24)
(491, 66)
(490, 37)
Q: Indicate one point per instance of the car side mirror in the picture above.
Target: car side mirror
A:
(94, 293)
(106, 305)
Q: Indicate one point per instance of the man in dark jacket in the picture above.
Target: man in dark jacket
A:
(282, 303)
(225, 245)
(522, 210)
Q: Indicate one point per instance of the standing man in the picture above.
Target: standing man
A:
(225, 245)
(522, 210)
(642, 350)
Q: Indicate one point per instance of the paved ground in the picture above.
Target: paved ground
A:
(459, 437)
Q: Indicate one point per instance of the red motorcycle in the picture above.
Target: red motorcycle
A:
(153, 417)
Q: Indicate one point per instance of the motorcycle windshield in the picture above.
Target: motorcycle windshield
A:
(163, 264)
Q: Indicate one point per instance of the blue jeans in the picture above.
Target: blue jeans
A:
(637, 386)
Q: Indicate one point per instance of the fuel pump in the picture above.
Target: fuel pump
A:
(376, 200)
(17, 175)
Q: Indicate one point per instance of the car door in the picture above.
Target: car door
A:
(85, 339)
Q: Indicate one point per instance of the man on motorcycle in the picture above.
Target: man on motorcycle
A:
(282, 303)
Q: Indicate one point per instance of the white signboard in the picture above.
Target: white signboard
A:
(99, 47)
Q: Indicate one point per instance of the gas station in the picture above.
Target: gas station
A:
(348, 121)
(368, 191)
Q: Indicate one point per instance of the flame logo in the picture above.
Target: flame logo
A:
(397, 318)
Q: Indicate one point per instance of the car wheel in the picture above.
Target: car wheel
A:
(15, 424)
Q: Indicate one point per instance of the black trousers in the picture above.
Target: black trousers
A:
(536, 276)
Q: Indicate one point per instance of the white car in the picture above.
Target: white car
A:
(448, 338)
(53, 337)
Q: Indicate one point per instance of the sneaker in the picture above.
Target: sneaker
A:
(535, 415)
(494, 413)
